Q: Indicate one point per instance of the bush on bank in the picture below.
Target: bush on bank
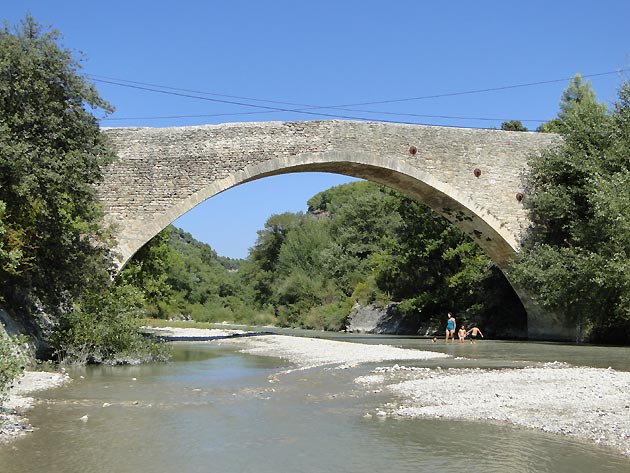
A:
(105, 328)
(12, 363)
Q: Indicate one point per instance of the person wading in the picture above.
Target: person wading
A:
(450, 328)
(474, 332)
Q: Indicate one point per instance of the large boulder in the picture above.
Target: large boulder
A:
(380, 320)
(35, 329)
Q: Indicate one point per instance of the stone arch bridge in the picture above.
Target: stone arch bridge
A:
(473, 177)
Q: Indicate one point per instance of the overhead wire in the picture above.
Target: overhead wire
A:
(310, 109)
(232, 102)
(306, 110)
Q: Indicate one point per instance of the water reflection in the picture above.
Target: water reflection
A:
(186, 352)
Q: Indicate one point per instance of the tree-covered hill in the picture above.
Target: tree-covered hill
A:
(363, 243)
(359, 243)
(180, 277)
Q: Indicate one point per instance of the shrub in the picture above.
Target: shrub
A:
(105, 329)
(326, 317)
(11, 363)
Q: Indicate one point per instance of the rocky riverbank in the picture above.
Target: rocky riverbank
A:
(582, 402)
(13, 422)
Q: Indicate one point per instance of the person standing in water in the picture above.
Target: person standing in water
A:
(462, 334)
(450, 328)
(474, 332)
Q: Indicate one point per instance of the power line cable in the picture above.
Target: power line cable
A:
(478, 91)
(277, 109)
(208, 115)
(232, 102)
(307, 108)
(449, 94)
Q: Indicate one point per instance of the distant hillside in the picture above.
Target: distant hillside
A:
(185, 243)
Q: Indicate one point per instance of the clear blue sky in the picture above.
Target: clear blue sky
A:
(289, 54)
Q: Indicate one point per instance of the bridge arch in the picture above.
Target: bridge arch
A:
(470, 176)
(443, 198)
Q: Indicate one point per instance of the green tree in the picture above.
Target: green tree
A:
(12, 362)
(103, 327)
(330, 200)
(51, 156)
(576, 258)
(260, 270)
(302, 282)
(148, 270)
(578, 94)
(513, 125)
(10, 255)
(363, 219)
(54, 246)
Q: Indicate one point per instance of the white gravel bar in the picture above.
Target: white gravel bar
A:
(182, 332)
(13, 424)
(583, 402)
(312, 352)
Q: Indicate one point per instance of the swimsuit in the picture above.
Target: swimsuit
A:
(450, 325)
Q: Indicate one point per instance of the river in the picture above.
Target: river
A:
(215, 409)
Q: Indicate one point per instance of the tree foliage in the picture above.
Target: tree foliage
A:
(513, 125)
(578, 94)
(51, 155)
(576, 259)
(54, 247)
(12, 363)
(180, 277)
(364, 243)
(103, 328)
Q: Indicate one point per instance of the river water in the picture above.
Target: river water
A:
(214, 409)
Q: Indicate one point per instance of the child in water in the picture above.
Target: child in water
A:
(462, 334)
(474, 332)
